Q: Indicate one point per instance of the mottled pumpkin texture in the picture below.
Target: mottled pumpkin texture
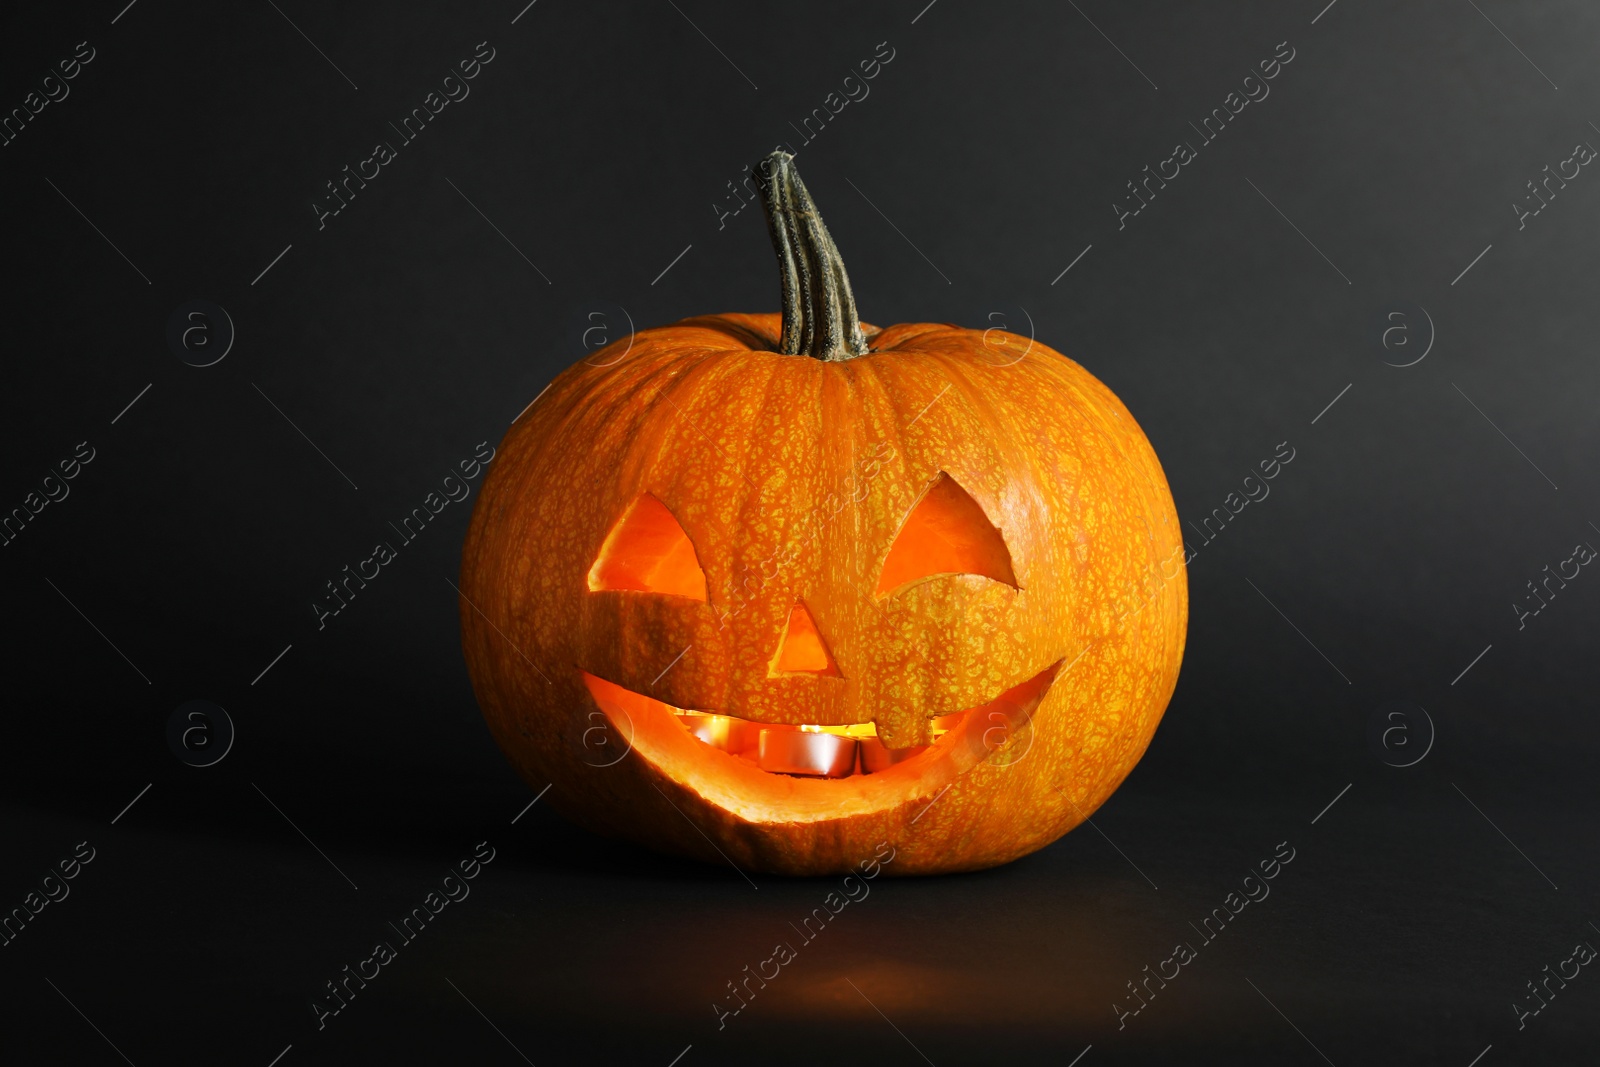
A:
(792, 476)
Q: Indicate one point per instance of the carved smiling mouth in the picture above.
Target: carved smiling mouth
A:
(818, 751)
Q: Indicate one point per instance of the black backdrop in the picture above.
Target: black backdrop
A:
(1357, 638)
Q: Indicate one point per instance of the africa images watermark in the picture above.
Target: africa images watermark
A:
(55, 490)
(1583, 954)
(854, 889)
(453, 888)
(1184, 953)
(54, 90)
(1134, 597)
(1583, 553)
(1233, 503)
(852, 89)
(455, 489)
(1256, 90)
(1582, 155)
(53, 889)
(455, 89)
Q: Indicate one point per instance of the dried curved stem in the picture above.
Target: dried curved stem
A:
(819, 309)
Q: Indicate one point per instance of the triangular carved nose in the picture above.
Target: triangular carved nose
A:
(802, 650)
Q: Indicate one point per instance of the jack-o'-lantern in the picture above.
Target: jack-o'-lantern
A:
(778, 590)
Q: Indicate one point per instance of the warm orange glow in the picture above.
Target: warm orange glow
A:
(875, 756)
(693, 720)
(946, 533)
(648, 552)
(802, 649)
(733, 735)
(812, 755)
(736, 747)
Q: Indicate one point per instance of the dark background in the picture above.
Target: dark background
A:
(1228, 314)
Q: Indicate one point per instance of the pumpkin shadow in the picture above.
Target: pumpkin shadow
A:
(568, 848)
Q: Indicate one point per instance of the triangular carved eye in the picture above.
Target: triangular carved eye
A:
(946, 533)
(648, 552)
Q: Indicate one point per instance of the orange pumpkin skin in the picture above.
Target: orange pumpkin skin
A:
(791, 477)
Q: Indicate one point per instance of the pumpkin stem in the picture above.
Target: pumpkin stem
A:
(819, 310)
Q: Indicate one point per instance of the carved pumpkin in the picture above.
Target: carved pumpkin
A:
(777, 589)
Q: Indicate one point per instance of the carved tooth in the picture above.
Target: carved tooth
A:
(875, 756)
